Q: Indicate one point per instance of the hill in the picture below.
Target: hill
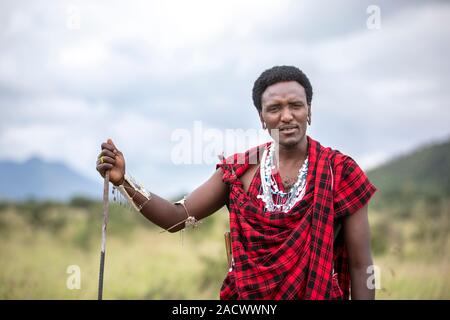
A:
(421, 177)
(43, 180)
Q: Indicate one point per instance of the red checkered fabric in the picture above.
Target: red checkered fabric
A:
(292, 255)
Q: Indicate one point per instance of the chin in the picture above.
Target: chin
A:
(291, 142)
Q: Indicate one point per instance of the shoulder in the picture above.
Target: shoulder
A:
(336, 157)
(338, 160)
(351, 187)
(344, 167)
(238, 163)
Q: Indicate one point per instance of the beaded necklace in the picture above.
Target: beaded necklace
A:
(274, 198)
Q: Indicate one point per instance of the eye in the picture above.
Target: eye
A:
(273, 108)
(297, 105)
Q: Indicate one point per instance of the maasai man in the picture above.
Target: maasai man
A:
(298, 211)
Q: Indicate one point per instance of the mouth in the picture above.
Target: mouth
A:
(288, 129)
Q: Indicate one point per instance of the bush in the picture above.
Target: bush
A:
(82, 202)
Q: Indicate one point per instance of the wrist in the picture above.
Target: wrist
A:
(129, 188)
(120, 182)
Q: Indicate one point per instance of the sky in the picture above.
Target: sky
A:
(145, 73)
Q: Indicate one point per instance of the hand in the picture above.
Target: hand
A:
(112, 160)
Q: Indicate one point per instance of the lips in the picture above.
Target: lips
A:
(287, 129)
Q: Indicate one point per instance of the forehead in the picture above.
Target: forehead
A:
(288, 90)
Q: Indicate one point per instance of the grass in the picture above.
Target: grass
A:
(146, 264)
(402, 279)
(142, 263)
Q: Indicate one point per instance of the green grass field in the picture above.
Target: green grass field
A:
(38, 245)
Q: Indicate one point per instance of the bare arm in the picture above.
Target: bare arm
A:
(357, 239)
(202, 202)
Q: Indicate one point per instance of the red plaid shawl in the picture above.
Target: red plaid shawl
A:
(291, 255)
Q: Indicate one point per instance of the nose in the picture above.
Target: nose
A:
(286, 115)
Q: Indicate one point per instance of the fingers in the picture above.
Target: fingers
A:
(102, 168)
(106, 159)
(107, 153)
(108, 146)
(111, 143)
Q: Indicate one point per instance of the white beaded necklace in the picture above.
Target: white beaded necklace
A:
(284, 201)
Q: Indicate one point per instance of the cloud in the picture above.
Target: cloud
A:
(382, 92)
(74, 74)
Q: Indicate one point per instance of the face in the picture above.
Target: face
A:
(284, 107)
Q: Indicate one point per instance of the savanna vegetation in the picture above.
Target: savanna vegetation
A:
(39, 241)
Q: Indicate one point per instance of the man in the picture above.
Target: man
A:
(298, 211)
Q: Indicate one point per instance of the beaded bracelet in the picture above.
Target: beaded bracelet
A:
(137, 189)
(190, 221)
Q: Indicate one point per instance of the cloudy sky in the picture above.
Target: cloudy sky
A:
(73, 73)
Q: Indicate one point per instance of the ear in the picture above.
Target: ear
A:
(309, 115)
(261, 118)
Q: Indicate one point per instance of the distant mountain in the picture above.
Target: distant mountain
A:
(41, 180)
(420, 176)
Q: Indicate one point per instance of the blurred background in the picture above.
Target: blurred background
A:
(74, 73)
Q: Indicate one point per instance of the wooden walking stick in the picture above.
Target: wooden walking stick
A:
(228, 250)
(105, 223)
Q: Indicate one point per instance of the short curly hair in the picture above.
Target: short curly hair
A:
(280, 74)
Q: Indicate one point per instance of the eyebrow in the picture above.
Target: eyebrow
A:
(276, 104)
